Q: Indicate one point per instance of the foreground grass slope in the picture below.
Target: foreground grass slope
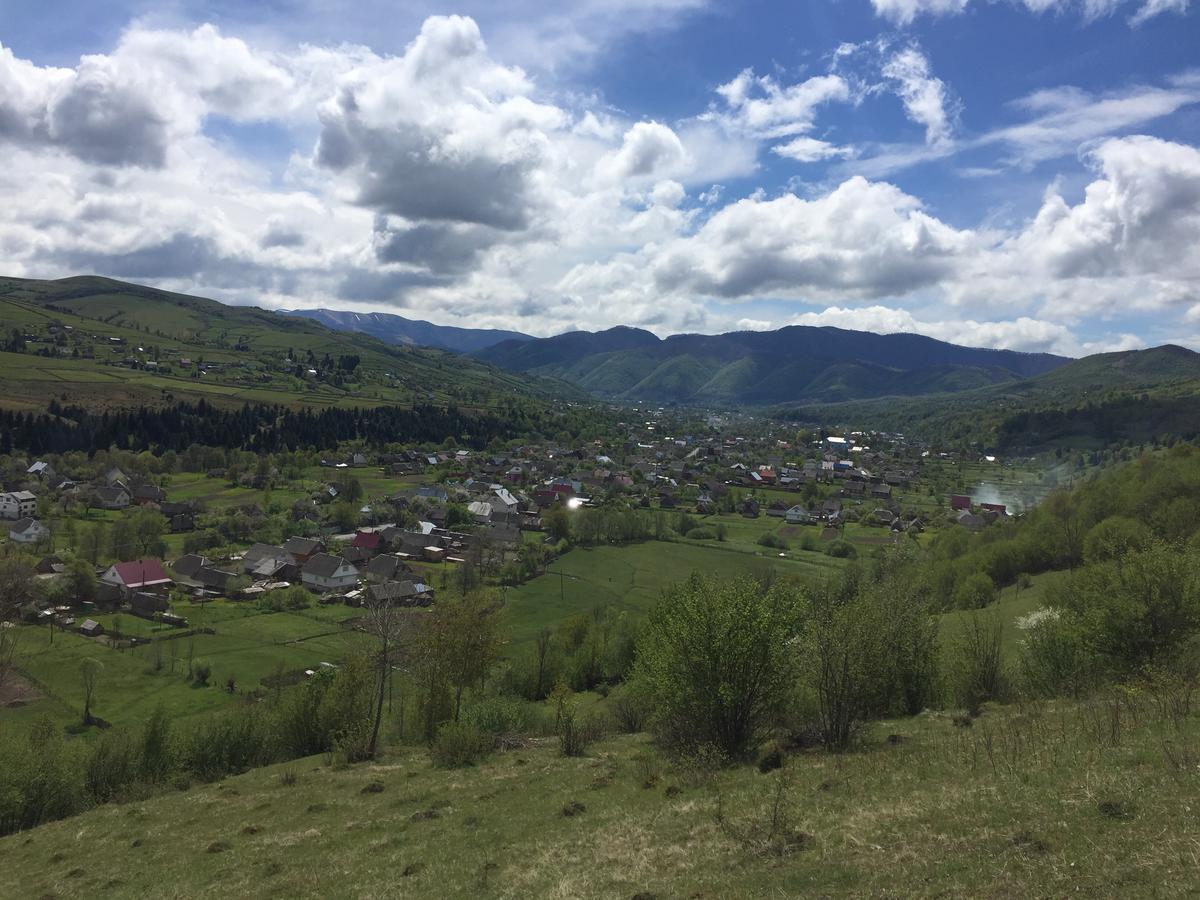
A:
(1096, 798)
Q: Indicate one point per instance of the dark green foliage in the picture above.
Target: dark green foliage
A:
(840, 549)
(977, 665)
(1140, 609)
(869, 647)
(715, 659)
(460, 744)
(772, 540)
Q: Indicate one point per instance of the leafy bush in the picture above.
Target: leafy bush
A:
(502, 715)
(1138, 610)
(841, 549)
(714, 658)
(975, 591)
(575, 732)
(700, 534)
(631, 709)
(771, 539)
(460, 744)
(201, 672)
(977, 665)
(1054, 661)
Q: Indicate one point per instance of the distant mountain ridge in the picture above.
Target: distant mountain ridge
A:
(393, 329)
(797, 363)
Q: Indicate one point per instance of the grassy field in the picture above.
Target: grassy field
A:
(1033, 802)
(246, 645)
(632, 577)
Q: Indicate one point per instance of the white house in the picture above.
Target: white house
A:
(28, 531)
(325, 572)
(798, 515)
(17, 505)
(40, 469)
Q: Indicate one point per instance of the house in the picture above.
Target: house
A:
(960, 501)
(968, 519)
(213, 579)
(999, 509)
(28, 531)
(481, 510)
(385, 567)
(112, 497)
(189, 564)
(50, 565)
(266, 561)
(17, 505)
(91, 628)
(323, 572)
(139, 575)
(881, 491)
(798, 515)
(41, 470)
(303, 549)
(146, 605)
(369, 541)
(405, 593)
(115, 476)
(146, 494)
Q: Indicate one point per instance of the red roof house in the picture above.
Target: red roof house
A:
(960, 501)
(140, 575)
(368, 540)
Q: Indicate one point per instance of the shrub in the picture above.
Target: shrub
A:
(870, 648)
(201, 672)
(459, 744)
(975, 591)
(841, 549)
(631, 709)
(714, 658)
(575, 732)
(977, 665)
(771, 539)
(111, 767)
(700, 534)
(1138, 610)
(501, 716)
(1054, 660)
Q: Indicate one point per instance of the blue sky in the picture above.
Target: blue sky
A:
(1015, 173)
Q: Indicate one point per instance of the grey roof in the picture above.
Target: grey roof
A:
(302, 545)
(189, 564)
(324, 565)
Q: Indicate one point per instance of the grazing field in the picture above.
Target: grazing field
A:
(1034, 802)
(631, 578)
(246, 645)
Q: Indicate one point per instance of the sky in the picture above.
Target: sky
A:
(1021, 174)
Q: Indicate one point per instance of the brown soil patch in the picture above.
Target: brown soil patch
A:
(18, 691)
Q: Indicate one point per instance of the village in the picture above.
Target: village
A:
(394, 526)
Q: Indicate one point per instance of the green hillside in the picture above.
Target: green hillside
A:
(107, 342)
(1134, 396)
(1039, 802)
(793, 364)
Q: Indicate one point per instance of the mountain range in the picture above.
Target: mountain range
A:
(793, 364)
(393, 329)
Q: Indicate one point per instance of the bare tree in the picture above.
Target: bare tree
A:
(89, 672)
(9, 638)
(542, 645)
(391, 626)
